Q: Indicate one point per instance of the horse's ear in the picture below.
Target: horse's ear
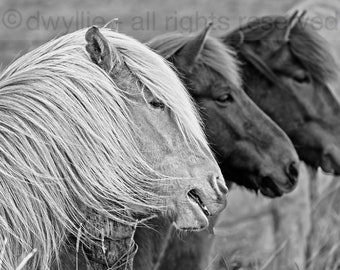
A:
(188, 54)
(100, 51)
(113, 25)
(292, 21)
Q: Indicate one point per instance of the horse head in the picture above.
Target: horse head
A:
(167, 130)
(251, 149)
(287, 70)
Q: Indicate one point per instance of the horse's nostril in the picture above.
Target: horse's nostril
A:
(219, 185)
(293, 172)
(330, 161)
(326, 163)
(222, 186)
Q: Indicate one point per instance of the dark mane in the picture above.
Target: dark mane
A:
(305, 44)
(215, 54)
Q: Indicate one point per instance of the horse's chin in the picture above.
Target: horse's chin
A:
(191, 218)
(266, 191)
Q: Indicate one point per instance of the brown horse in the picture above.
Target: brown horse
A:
(286, 71)
(251, 149)
(324, 188)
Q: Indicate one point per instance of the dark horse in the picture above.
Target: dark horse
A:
(286, 71)
(251, 149)
(257, 154)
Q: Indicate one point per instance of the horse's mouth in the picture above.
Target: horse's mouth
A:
(193, 196)
(270, 193)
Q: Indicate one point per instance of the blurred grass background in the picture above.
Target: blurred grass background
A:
(27, 24)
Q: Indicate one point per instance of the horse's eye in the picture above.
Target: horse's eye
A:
(301, 77)
(225, 98)
(157, 104)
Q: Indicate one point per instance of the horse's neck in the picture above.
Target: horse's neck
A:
(160, 248)
(114, 247)
(163, 249)
(152, 243)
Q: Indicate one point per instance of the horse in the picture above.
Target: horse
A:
(93, 126)
(276, 49)
(287, 71)
(251, 150)
(323, 15)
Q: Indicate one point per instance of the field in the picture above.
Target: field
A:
(25, 25)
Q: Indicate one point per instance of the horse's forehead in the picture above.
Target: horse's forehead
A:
(266, 47)
(275, 54)
(204, 81)
(282, 58)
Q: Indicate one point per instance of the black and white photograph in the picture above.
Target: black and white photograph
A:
(170, 135)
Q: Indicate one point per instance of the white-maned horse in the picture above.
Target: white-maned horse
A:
(95, 122)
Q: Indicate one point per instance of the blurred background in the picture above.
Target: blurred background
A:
(27, 24)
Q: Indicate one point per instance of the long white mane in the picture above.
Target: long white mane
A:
(67, 142)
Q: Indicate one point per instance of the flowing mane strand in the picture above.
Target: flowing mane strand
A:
(215, 54)
(305, 44)
(67, 142)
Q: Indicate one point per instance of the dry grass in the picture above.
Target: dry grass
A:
(323, 246)
(325, 241)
